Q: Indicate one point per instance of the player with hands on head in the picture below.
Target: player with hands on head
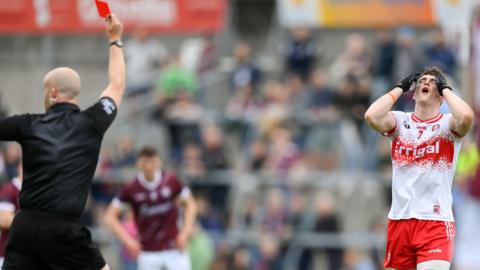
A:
(60, 153)
(425, 148)
(155, 196)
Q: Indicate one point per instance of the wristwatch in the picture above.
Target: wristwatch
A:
(117, 43)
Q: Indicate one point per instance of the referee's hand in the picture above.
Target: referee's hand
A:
(114, 28)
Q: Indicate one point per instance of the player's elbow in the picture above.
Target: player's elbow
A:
(466, 118)
(369, 118)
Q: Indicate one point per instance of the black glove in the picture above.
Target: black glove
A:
(407, 82)
(442, 84)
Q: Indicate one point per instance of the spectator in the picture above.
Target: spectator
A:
(144, 56)
(183, 118)
(283, 153)
(270, 257)
(214, 152)
(200, 249)
(301, 53)
(408, 57)
(276, 109)
(13, 155)
(176, 80)
(245, 73)
(353, 98)
(322, 119)
(241, 259)
(328, 222)
(299, 94)
(354, 60)
(384, 62)
(125, 155)
(438, 53)
(193, 167)
(258, 155)
(273, 218)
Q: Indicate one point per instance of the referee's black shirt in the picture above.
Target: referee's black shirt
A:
(60, 154)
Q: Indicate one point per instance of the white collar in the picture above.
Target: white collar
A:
(17, 183)
(151, 185)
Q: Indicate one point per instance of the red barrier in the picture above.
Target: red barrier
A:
(80, 16)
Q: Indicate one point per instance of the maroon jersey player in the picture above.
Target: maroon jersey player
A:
(9, 205)
(155, 196)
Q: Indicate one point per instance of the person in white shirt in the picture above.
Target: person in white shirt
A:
(425, 147)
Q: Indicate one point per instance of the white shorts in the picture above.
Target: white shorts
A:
(1, 261)
(167, 260)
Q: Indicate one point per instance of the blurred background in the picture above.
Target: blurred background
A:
(258, 104)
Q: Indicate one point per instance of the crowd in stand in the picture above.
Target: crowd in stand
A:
(309, 117)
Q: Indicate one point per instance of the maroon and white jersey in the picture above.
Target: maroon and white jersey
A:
(424, 157)
(155, 209)
(9, 194)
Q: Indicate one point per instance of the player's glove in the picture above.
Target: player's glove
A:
(442, 84)
(406, 83)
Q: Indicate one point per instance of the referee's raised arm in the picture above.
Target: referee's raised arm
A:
(116, 66)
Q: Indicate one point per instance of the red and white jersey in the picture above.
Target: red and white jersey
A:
(9, 194)
(155, 208)
(424, 157)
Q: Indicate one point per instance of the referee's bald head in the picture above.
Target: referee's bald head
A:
(61, 85)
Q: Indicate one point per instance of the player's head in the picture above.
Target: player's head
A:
(148, 160)
(426, 90)
(61, 85)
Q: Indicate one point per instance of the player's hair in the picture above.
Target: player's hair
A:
(434, 71)
(147, 152)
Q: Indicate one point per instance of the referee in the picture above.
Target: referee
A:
(60, 154)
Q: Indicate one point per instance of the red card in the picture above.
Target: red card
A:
(103, 9)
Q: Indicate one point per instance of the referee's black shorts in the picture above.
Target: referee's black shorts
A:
(44, 241)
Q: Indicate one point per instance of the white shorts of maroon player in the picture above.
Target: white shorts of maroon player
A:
(164, 260)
